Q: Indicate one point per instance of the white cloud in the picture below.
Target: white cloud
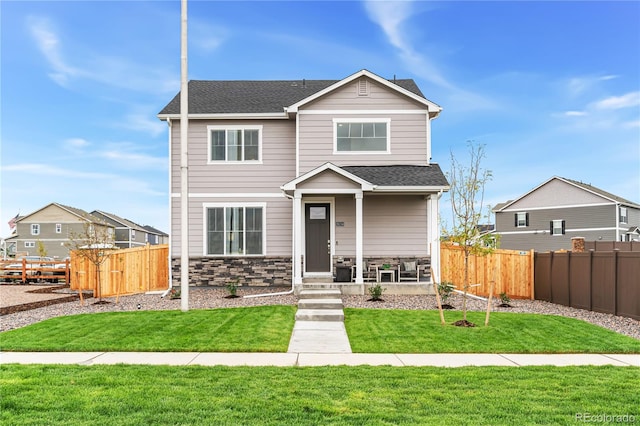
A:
(144, 123)
(42, 169)
(631, 99)
(110, 71)
(391, 17)
(204, 36)
(579, 85)
(76, 143)
(49, 44)
(135, 160)
(575, 113)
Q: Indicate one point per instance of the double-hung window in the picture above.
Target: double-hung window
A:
(35, 229)
(234, 230)
(522, 220)
(557, 227)
(360, 135)
(235, 144)
(623, 215)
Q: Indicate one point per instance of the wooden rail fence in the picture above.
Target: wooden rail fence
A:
(126, 271)
(512, 271)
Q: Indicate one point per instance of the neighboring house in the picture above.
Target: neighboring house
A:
(49, 228)
(548, 216)
(155, 236)
(129, 234)
(290, 179)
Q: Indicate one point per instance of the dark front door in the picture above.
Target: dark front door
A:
(317, 237)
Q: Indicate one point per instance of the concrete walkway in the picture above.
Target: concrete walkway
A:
(316, 359)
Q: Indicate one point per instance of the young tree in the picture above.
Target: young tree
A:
(93, 244)
(467, 184)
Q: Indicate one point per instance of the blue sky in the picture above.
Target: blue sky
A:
(551, 88)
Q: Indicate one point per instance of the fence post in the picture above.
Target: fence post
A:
(591, 280)
(532, 279)
(615, 281)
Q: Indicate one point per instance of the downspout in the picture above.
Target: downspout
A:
(293, 248)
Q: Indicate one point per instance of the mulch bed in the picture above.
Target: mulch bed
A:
(33, 305)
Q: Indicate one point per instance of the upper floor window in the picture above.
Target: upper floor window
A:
(362, 135)
(522, 220)
(235, 230)
(234, 145)
(623, 215)
(557, 227)
(35, 229)
(133, 234)
(58, 228)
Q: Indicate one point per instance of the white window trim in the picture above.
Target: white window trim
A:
(231, 127)
(626, 215)
(29, 244)
(206, 206)
(35, 229)
(525, 220)
(58, 228)
(336, 121)
(553, 231)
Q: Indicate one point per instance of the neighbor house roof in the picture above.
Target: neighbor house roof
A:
(266, 96)
(122, 221)
(584, 186)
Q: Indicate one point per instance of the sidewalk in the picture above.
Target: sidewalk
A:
(291, 359)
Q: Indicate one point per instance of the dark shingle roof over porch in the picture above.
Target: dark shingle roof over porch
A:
(429, 176)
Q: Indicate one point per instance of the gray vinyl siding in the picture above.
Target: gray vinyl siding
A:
(277, 168)
(279, 218)
(395, 225)
(590, 222)
(557, 193)
(378, 98)
(408, 141)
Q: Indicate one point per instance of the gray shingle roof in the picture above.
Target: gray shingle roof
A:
(400, 175)
(254, 96)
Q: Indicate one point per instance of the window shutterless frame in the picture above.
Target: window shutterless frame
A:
(234, 144)
(356, 136)
(235, 229)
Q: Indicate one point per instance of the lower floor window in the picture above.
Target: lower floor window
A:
(235, 230)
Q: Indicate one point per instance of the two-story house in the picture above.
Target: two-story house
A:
(548, 216)
(46, 231)
(129, 234)
(288, 180)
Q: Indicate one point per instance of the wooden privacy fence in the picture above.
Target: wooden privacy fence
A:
(511, 270)
(126, 271)
(598, 281)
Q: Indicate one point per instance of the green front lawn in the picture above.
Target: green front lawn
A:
(268, 329)
(255, 329)
(151, 395)
(403, 331)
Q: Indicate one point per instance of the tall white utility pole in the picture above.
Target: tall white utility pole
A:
(184, 163)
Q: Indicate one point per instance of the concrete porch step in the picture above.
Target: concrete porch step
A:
(320, 293)
(320, 315)
(333, 303)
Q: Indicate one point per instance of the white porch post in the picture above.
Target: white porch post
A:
(359, 237)
(433, 231)
(297, 238)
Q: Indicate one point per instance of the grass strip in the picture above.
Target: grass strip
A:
(134, 395)
(405, 331)
(254, 329)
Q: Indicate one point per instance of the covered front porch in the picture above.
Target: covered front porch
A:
(352, 228)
